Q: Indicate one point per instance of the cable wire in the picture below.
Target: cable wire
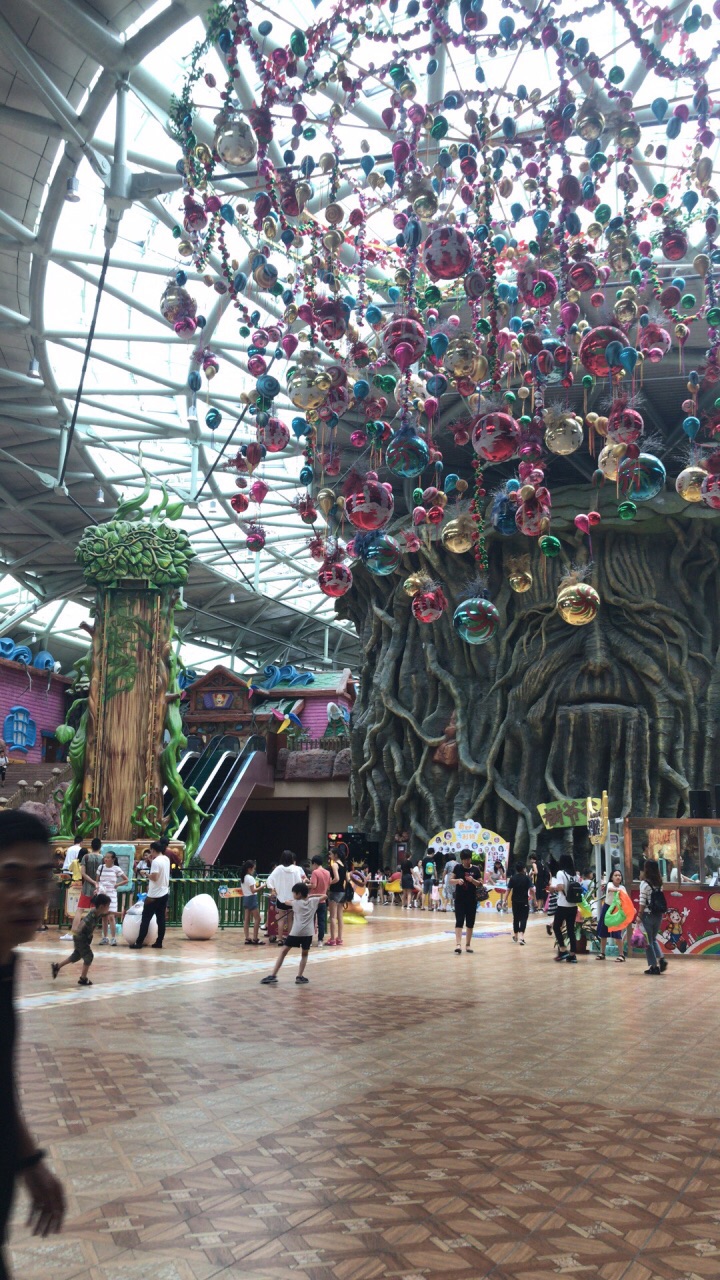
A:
(86, 360)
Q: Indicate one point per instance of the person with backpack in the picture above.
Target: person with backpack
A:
(429, 871)
(653, 906)
(569, 895)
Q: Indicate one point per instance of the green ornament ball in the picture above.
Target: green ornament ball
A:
(616, 75)
(588, 381)
(432, 295)
(550, 546)
(713, 317)
(298, 43)
(687, 302)
(417, 496)
(659, 191)
(603, 213)
(627, 510)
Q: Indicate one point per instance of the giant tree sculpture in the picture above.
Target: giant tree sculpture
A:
(137, 562)
(443, 730)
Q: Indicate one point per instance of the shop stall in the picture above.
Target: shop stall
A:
(687, 851)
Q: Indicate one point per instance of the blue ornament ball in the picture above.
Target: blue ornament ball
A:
(641, 478)
(476, 620)
(407, 454)
(382, 555)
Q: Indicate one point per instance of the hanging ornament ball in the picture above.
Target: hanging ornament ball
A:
(428, 606)
(371, 507)
(456, 537)
(325, 501)
(382, 555)
(565, 436)
(334, 579)
(550, 546)
(235, 141)
(609, 460)
(407, 454)
(495, 437)
(641, 478)
(404, 332)
(520, 580)
(578, 603)
(413, 584)
(690, 482)
(447, 253)
(276, 436)
(476, 620)
(627, 510)
(594, 345)
(711, 491)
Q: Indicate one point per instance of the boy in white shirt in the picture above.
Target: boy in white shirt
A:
(304, 910)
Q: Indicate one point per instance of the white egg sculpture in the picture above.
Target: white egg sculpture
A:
(201, 918)
(131, 926)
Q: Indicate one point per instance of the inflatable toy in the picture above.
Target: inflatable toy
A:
(621, 913)
(200, 918)
(131, 926)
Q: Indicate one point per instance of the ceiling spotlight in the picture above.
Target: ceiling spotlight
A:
(192, 413)
(100, 495)
(72, 190)
(33, 638)
(34, 369)
(231, 597)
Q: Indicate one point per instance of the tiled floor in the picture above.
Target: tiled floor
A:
(409, 1114)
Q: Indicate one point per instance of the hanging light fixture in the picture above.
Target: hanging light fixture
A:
(100, 495)
(72, 190)
(231, 597)
(34, 369)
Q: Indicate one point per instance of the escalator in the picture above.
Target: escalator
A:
(185, 769)
(213, 763)
(232, 785)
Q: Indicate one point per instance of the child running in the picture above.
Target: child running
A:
(304, 910)
(82, 937)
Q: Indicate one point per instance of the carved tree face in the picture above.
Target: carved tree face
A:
(629, 703)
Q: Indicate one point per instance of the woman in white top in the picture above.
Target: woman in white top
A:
(566, 911)
(614, 886)
(251, 909)
(110, 877)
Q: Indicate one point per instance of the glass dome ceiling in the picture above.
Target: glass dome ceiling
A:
(136, 414)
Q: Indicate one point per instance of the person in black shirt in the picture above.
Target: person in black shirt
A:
(26, 877)
(465, 878)
(520, 885)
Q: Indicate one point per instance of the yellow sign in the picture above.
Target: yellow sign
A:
(597, 819)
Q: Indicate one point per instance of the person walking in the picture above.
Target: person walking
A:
(304, 909)
(26, 878)
(652, 908)
(465, 880)
(448, 888)
(251, 908)
(569, 893)
(614, 886)
(336, 900)
(280, 882)
(110, 878)
(320, 882)
(155, 903)
(520, 885)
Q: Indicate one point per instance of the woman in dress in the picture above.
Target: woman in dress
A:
(110, 877)
(407, 883)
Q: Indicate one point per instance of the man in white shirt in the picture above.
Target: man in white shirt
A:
(156, 901)
(281, 882)
(72, 853)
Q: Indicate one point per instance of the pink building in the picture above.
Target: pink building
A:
(32, 704)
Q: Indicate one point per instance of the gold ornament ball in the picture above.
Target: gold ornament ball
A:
(625, 311)
(590, 123)
(520, 581)
(456, 539)
(334, 214)
(413, 584)
(689, 483)
(609, 460)
(325, 500)
(566, 437)
(629, 133)
(184, 248)
(578, 603)
(526, 492)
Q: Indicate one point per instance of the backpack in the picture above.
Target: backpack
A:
(657, 904)
(574, 892)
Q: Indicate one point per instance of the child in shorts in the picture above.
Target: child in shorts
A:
(82, 937)
(304, 910)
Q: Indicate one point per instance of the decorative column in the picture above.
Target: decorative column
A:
(138, 562)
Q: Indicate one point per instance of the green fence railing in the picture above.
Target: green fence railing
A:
(230, 909)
